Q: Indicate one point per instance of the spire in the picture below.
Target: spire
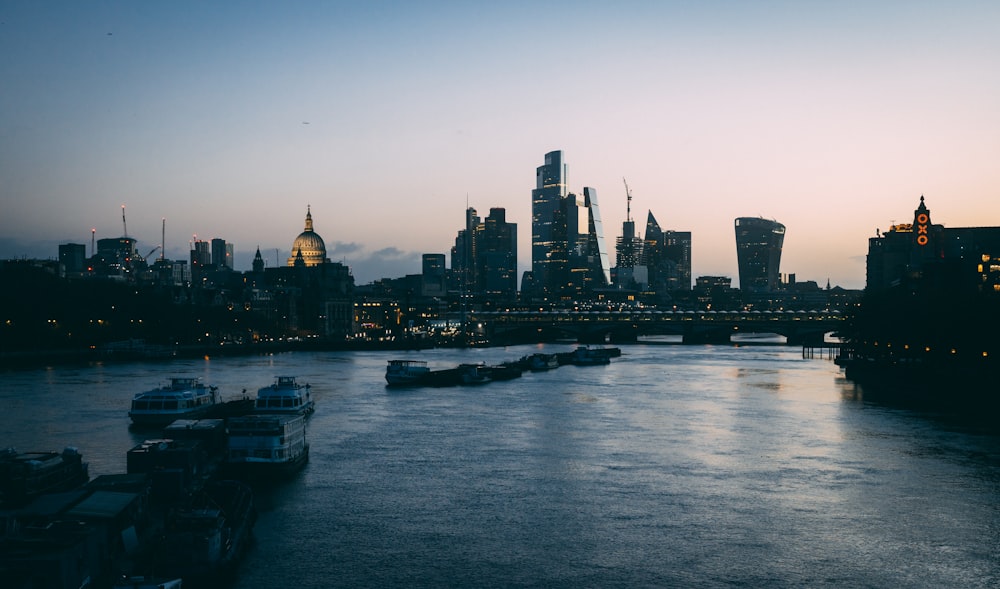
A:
(258, 261)
(309, 218)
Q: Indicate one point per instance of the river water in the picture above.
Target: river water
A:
(674, 466)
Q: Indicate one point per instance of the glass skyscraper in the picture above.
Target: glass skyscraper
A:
(550, 189)
(758, 253)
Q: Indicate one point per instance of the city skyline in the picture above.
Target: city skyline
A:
(390, 120)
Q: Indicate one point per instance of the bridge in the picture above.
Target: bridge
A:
(624, 326)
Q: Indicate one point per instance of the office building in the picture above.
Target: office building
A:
(222, 254)
(547, 244)
(73, 257)
(758, 253)
(598, 261)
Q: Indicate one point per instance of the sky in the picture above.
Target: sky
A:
(228, 119)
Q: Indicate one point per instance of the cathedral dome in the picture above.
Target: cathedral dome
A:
(308, 246)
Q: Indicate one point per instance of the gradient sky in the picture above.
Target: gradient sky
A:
(229, 118)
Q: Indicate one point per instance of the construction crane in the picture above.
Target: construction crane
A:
(628, 201)
(146, 257)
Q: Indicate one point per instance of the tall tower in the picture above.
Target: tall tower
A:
(758, 253)
(550, 189)
(600, 262)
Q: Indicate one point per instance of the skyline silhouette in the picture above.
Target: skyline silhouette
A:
(390, 120)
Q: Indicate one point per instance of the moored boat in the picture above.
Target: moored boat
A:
(539, 362)
(182, 398)
(473, 374)
(406, 372)
(262, 445)
(26, 475)
(204, 539)
(587, 356)
(285, 395)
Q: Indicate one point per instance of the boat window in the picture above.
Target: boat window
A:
(288, 403)
(168, 405)
(141, 405)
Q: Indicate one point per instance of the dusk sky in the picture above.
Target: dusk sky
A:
(228, 118)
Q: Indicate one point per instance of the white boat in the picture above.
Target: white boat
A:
(285, 395)
(183, 398)
(406, 372)
(261, 445)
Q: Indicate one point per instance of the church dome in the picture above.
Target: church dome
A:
(308, 245)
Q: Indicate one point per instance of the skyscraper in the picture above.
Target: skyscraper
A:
(222, 253)
(550, 188)
(484, 258)
(758, 253)
(599, 262)
(497, 258)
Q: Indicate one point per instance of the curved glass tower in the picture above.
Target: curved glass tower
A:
(758, 253)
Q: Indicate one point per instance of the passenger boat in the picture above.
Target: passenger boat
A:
(261, 445)
(285, 395)
(26, 475)
(406, 372)
(183, 398)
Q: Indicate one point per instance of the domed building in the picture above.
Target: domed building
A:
(308, 249)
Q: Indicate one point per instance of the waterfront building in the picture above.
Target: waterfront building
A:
(308, 249)
(758, 253)
(966, 258)
(546, 240)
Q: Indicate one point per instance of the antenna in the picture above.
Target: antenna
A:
(163, 238)
(277, 262)
(93, 236)
(124, 226)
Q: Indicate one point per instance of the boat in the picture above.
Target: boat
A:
(473, 374)
(263, 444)
(587, 356)
(205, 538)
(285, 395)
(406, 372)
(540, 362)
(183, 398)
(27, 475)
(505, 371)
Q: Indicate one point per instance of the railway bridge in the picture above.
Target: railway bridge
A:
(624, 326)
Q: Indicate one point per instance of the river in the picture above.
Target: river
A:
(674, 466)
